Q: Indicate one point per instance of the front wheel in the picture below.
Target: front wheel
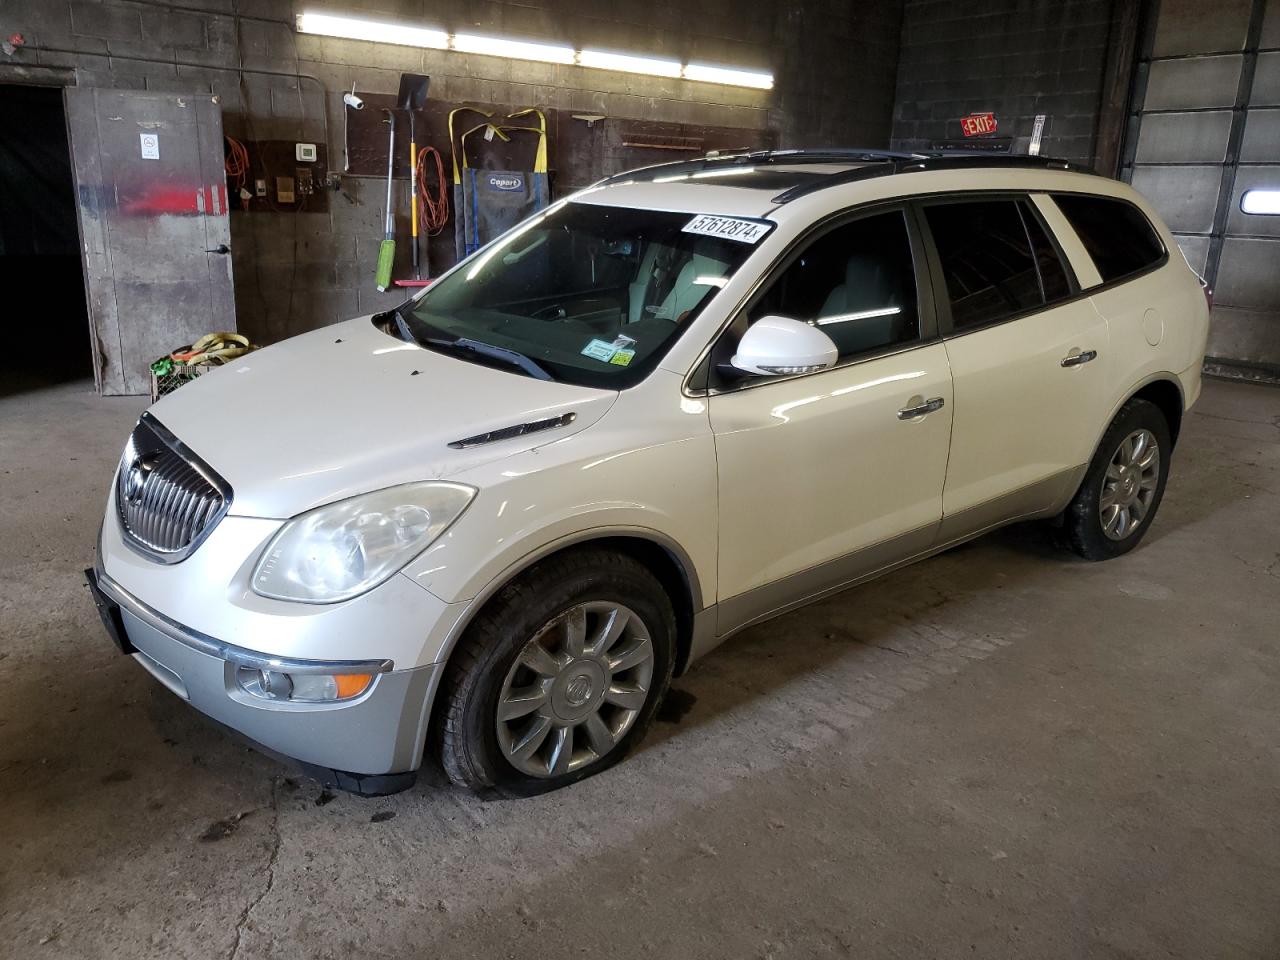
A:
(1124, 485)
(559, 675)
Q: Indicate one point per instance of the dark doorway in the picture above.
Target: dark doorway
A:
(46, 324)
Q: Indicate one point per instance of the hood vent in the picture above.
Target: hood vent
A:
(517, 430)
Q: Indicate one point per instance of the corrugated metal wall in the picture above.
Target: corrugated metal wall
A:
(1206, 128)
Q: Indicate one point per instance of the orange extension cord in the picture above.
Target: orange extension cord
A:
(435, 210)
(237, 165)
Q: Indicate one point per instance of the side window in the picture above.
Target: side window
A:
(986, 259)
(1055, 282)
(1117, 235)
(856, 282)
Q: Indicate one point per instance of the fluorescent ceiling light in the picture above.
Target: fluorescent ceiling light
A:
(515, 49)
(1261, 201)
(727, 75)
(650, 66)
(711, 281)
(862, 315)
(352, 29)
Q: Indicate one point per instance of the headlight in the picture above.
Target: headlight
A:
(340, 550)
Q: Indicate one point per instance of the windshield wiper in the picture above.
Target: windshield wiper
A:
(511, 357)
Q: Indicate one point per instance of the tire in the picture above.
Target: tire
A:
(612, 604)
(1124, 485)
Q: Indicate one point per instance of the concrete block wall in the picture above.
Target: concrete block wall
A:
(1016, 58)
(834, 63)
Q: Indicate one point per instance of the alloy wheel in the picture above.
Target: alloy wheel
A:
(575, 689)
(1129, 485)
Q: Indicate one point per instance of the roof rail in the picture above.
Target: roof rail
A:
(717, 160)
(872, 163)
(929, 160)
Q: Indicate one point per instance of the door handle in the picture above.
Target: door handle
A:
(1076, 359)
(920, 410)
(221, 248)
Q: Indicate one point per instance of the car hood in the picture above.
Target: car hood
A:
(349, 409)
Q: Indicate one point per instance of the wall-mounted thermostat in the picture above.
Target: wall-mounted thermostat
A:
(306, 152)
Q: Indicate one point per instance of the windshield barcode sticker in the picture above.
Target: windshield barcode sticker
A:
(730, 228)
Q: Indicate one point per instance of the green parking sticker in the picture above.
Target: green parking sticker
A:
(599, 350)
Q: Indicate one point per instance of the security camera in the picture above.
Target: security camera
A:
(352, 101)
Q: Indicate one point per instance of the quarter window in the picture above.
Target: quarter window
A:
(856, 283)
(1119, 238)
(987, 260)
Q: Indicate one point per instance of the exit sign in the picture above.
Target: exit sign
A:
(978, 124)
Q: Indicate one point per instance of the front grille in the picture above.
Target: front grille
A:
(168, 499)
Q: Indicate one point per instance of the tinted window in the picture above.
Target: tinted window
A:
(1117, 235)
(1054, 282)
(986, 259)
(857, 283)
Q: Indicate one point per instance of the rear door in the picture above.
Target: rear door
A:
(152, 203)
(1029, 359)
(828, 476)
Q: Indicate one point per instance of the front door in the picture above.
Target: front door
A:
(152, 200)
(830, 476)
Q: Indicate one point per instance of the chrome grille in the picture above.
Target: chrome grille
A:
(168, 499)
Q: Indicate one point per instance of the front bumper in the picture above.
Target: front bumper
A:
(371, 744)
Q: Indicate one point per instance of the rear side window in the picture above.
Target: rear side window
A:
(1117, 235)
(987, 260)
(1054, 279)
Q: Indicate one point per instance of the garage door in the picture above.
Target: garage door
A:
(1203, 144)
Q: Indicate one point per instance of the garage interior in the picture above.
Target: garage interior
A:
(999, 752)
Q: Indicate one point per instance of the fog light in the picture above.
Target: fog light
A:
(302, 687)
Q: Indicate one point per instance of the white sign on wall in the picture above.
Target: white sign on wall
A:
(150, 145)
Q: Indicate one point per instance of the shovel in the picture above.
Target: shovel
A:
(413, 97)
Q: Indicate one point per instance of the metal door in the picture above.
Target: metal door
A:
(152, 202)
(1205, 129)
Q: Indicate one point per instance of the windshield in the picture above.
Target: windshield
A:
(585, 294)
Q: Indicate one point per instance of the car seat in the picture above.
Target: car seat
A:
(870, 285)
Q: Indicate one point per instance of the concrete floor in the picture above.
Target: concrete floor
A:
(1001, 752)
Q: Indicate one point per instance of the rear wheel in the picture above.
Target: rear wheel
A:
(559, 675)
(1124, 485)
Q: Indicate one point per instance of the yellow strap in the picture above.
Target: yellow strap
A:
(539, 164)
(462, 141)
(209, 339)
(218, 346)
(453, 144)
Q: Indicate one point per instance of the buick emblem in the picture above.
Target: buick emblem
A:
(135, 480)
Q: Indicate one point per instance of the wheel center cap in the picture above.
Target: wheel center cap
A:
(578, 691)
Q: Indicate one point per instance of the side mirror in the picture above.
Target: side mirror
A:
(776, 346)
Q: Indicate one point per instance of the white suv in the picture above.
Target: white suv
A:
(499, 518)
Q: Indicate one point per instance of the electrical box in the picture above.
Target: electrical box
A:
(305, 152)
(260, 188)
(284, 190)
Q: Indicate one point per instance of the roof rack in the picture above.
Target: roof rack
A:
(872, 163)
